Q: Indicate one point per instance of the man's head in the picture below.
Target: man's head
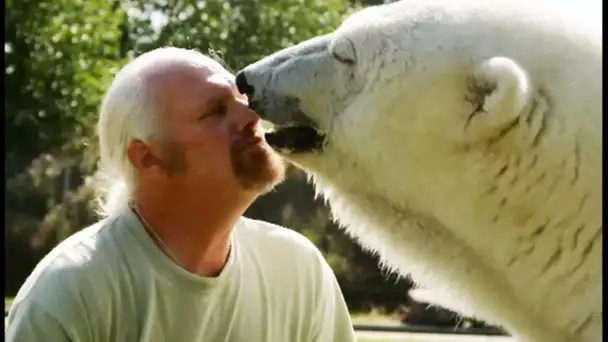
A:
(173, 119)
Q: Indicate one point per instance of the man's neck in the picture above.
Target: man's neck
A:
(195, 232)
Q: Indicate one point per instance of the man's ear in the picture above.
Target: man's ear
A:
(500, 90)
(142, 157)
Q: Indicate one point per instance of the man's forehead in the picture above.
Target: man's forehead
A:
(188, 75)
(223, 77)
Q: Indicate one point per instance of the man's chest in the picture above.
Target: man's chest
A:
(245, 310)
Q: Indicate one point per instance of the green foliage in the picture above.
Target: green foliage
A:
(239, 30)
(59, 56)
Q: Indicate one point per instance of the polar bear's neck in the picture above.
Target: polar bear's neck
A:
(480, 196)
(511, 235)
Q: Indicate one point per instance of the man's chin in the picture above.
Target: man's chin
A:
(259, 168)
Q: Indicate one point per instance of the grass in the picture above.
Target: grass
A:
(375, 316)
(391, 340)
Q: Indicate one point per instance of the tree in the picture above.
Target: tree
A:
(59, 57)
(241, 31)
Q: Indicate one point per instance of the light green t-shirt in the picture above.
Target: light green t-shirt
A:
(111, 283)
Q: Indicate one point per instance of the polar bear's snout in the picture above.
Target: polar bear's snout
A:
(277, 84)
(281, 90)
(293, 132)
(243, 86)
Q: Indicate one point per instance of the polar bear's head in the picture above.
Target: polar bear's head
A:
(420, 76)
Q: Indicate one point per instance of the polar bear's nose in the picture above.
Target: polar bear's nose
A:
(242, 85)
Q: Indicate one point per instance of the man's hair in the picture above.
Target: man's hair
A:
(129, 112)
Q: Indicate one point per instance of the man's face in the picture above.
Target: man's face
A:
(209, 134)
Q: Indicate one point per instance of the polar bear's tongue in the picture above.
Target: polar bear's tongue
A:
(295, 138)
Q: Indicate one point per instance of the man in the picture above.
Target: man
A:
(174, 260)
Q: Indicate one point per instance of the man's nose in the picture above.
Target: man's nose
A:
(245, 116)
(242, 85)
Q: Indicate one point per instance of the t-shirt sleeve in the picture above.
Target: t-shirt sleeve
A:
(332, 321)
(32, 323)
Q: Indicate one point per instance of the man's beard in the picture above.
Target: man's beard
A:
(257, 168)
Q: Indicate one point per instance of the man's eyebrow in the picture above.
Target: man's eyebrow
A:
(231, 79)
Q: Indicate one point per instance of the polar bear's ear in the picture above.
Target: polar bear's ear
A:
(500, 90)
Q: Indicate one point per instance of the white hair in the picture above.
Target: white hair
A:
(129, 112)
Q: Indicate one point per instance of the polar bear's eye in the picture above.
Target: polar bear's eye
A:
(343, 60)
(344, 52)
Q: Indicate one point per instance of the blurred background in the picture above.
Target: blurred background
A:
(61, 55)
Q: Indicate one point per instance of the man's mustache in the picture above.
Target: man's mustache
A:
(247, 137)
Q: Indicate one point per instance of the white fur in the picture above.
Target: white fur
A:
(463, 146)
(128, 112)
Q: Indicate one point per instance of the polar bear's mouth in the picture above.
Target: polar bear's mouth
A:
(295, 138)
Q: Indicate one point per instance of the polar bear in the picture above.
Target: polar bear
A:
(462, 142)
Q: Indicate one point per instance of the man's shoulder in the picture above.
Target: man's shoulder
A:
(262, 234)
(79, 249)
(68, 268)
